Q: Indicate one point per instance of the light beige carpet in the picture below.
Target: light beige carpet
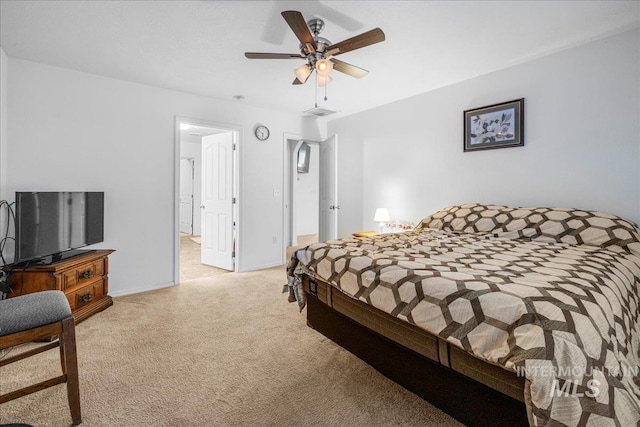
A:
(226, 350)
(190, 266)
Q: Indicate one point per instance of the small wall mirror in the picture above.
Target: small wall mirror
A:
(304, 152)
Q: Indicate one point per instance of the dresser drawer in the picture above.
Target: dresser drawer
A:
(83, 279)
(86, 294)
(83, 274)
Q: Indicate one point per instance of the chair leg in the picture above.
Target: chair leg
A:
(70, 361)
(62, 360)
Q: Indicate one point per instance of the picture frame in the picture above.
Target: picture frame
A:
(494, 126)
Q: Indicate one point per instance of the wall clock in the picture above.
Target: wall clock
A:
(262, 132)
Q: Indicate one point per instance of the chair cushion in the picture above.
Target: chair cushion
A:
(32, 310)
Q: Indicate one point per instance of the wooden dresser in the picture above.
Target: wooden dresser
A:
(83, 278)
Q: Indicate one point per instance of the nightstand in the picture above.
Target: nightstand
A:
(365, 233)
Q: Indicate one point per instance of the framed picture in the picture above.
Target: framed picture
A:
(494, 126)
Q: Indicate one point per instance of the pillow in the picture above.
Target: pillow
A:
(572, 226)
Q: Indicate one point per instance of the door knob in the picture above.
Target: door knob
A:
(201, 206)
(334, 207)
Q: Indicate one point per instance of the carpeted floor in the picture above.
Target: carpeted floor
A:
(226, 350)
(190, 266)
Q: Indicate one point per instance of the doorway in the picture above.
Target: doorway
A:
(304, 195)
(206, 199)
(311, 195)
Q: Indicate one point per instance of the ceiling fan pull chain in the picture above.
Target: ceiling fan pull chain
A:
(325, 92)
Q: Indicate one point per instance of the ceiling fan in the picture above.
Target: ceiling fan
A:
(319, 52)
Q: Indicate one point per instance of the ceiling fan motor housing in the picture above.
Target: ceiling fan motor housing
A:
(315, 55)
(316, 25)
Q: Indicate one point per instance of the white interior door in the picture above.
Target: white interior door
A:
(186, 195)
(217, 201)
(329, 207)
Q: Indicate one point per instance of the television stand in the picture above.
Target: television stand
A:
(50, 259)
(83, 278)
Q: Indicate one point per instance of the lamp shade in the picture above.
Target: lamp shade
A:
(323, 81)
(382, 215)
(324, 67)
(302, 72)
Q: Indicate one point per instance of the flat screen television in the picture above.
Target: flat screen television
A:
(52, 226)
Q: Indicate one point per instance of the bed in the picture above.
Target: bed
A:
(498, 315)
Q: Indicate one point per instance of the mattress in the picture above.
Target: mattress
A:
(545, 293)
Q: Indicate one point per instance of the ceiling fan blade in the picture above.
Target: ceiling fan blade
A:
(365, 39)
(259, 55)
(299, 27)
(349, 69)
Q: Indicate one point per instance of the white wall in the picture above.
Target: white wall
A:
(9, 247)
(75, 131)
(307, 195)
(582, 141)
(3, 125)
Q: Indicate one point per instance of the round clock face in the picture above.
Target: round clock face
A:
(262, 133)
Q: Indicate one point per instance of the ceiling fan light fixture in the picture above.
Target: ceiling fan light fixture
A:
(302, 72)
(324, 80)
(318, 51)
(324, 67)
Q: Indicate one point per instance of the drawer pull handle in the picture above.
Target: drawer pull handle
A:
(87, 274)
(85, 297)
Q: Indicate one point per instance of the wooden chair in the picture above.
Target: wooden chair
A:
(35, 317)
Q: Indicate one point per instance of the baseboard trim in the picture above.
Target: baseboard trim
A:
(262, 267)
(140, 290)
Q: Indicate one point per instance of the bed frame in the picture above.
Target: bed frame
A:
(470, 390)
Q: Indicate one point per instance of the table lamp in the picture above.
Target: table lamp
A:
(382, 216)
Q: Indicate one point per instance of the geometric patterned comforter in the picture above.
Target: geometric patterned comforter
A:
(550, 294)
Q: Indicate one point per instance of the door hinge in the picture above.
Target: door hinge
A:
(233, 254)
(233, 200)
(233, 146)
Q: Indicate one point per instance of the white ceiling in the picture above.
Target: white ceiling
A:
(198, 46)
